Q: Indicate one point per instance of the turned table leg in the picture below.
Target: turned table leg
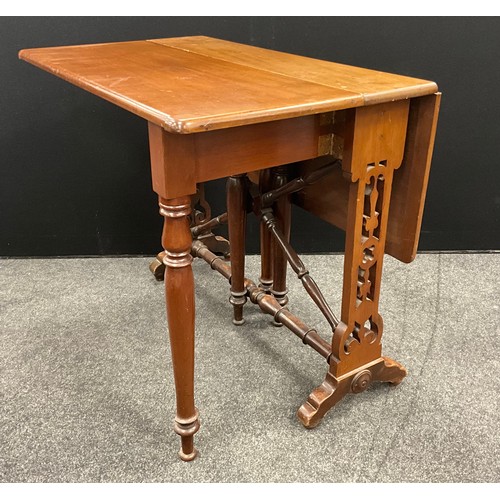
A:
(282, 210)
(266, 257)
(236, 217)
(179, 292)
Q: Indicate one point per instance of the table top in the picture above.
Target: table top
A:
(194, 84)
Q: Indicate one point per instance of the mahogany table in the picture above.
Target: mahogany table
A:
(342, 142)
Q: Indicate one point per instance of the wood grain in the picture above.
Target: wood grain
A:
(410, 181)
(236, 196)
(329, 200)
(185, 92)
(179, 295)
(195, 84)
(374, 86)
(283, 213)
(179, 161)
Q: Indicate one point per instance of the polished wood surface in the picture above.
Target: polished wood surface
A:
(373, 149)
(329, 200)
(410, 181)
(263, 180)
(195, 84)
(371, 157)
(180, 161)
(236, 216)
(283, 211)
(370, 86)
(350, 145)
(179, 295)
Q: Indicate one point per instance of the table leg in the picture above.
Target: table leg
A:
(282, 210)
(236, 217)
(179, 292)
(266, 257)
(356, 359)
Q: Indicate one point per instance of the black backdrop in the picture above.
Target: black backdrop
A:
(74, 169)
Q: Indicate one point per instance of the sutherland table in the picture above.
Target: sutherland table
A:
(342, 142)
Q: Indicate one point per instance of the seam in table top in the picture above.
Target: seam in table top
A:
(178, 125)
(362, 95)
(291, 77)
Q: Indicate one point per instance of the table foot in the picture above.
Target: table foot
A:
(186, 429)
(157, 267)
(391, 371)
(333, 389)
(216, 244)
(189, 456)
(329, 393)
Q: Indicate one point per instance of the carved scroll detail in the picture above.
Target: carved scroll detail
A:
(374, 143)
(357, 339)
(366, 320)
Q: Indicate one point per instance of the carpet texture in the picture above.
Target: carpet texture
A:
(86, 387)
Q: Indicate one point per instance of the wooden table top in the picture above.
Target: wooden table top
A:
(198, 83)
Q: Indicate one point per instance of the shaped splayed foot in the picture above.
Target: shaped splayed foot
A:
(333, 389)
(157, 267)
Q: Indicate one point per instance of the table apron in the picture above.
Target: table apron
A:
(179, 161)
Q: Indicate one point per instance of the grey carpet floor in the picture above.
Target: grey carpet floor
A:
(86, 392)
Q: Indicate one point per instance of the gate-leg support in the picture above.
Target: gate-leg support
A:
(370, 160)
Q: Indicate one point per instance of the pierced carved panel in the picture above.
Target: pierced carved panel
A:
(358, 337)
(366, 328)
